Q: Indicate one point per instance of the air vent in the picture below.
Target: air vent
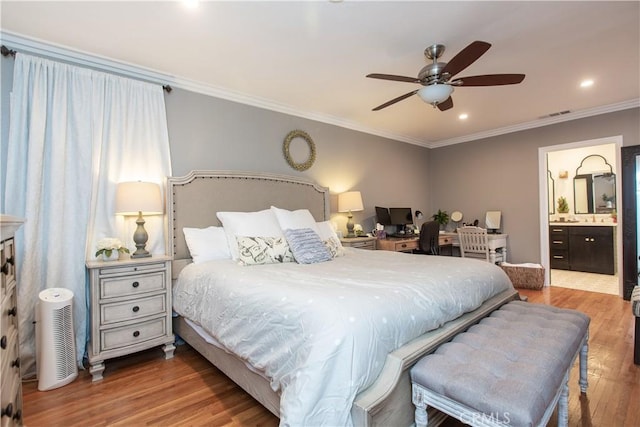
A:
(559, 113)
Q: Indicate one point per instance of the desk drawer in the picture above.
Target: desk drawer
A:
(445, 240)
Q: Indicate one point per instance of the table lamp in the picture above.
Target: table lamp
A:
(138, 198)
(351, 201)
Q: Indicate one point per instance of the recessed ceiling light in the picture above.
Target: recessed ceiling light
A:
(463, 116)
(586, 83)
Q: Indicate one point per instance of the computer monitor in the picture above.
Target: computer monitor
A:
(401, 216)
(492, 221)
(382, 216)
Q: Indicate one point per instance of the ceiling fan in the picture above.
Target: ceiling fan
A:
(436, 77)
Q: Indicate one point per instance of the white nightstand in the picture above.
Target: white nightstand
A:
(359, 242)
(130, 308)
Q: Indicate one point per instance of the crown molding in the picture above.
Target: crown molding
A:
(46, 49)
(579, 114)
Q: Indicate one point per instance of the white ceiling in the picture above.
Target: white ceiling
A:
(311, 58)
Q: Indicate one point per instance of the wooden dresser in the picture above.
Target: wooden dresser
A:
(130, 308)
(10, 380)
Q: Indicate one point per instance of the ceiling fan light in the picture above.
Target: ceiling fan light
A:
(435, 94)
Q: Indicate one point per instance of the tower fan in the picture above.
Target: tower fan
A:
(55, 340)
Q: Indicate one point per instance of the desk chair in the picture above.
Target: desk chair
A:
(428, 244)
(474, 243)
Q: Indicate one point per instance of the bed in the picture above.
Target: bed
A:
(366, 381)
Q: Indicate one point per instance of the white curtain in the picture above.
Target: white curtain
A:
(74, 134)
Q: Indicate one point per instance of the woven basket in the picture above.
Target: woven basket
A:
(525, 277)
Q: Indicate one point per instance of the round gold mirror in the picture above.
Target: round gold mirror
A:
(286, 148)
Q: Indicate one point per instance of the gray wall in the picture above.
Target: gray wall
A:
(212, 133)
(501, 173)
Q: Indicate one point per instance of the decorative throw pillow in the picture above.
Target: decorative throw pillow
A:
(334, 247)
(263, 250)
(306, 246)
(330, 238)
(206, 244)
(248, 224)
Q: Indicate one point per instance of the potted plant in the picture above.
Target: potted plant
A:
(441, 217)
(563, 207)
(110, 249)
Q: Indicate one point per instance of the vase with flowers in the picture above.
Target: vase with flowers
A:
(110, 249)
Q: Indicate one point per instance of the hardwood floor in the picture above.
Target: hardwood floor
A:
(145, 389)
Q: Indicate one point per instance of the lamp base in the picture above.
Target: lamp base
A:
(350, 225)
(140, 237)
(138, 254)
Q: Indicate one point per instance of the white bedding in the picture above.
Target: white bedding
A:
(321, 332)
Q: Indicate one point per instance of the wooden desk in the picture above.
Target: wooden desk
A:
(398, 244)
(496, 241)
(408, 244)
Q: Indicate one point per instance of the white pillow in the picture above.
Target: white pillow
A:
(293, 220)
(248, 224)
(206, 244)
(325, 230)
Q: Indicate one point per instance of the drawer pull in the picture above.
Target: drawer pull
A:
(13, 311)
(18, 415)
(136, 309)
(136, 334)
(558, 242)
(558, 257)
(3, 342)
(16, 363)
(135, 284)
(8, 411)
(557, 230)
(404, 245)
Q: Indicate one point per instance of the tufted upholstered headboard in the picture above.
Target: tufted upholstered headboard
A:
(194, 199)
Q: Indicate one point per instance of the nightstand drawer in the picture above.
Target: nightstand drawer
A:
(135, 309)
(9, 315)
(132, 285)
(114, 269)
(133, 334)
(364, 245)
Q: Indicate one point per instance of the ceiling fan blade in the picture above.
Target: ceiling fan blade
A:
(466, 57)
(446, 104)
(489, 80)
(393, 101)
(394, 78)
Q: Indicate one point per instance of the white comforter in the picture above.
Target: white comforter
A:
(321, 332)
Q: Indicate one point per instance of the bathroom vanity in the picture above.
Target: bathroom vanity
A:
(583, 246)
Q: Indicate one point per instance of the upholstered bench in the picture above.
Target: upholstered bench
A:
(635, 308)
(512, 368)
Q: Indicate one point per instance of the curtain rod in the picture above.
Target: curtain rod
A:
(10, 52)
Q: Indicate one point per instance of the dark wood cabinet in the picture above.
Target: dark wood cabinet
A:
(559, 247)
(582, 248)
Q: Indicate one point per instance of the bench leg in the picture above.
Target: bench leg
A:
(583, 366)
(563, 403)
(421, 417)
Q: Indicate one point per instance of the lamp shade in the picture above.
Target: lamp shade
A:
(137, 196)
(351, 201)
(436, 93)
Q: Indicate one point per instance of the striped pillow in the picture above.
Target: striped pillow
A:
(306, 246)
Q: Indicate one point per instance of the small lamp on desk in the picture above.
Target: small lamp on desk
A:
(351, 201)
(138, 198)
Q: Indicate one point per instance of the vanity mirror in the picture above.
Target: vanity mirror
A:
(594, 186)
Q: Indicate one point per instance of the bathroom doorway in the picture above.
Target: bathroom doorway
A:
(567, 171)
